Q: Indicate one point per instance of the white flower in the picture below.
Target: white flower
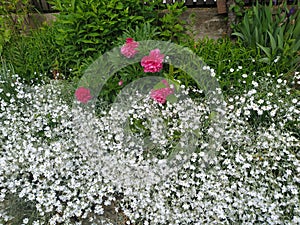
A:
(276, 60)
(65, 160)
(25, 220)
(254, 83)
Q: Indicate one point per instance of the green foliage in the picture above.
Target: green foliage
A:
(230, 60)
(170, 27)
(86, 29)
(33, 54)
(140, 33)
(238, 7)
(275, 34)
(12, 19)
(223, 56)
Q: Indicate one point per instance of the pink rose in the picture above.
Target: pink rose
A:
(129, 49)
(83, 95)
(120, 83)
(153, 62)
(160, 95)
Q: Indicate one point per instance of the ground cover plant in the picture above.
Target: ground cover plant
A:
(66, 164)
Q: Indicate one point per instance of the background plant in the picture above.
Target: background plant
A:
(13, 19)
(274, 33)
(87, 29)
(170, 27)
(235, 11)
(6, 81)
(34, 54)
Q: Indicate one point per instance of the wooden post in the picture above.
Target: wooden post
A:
(221, 5)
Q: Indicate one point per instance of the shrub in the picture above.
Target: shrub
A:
(86, 29)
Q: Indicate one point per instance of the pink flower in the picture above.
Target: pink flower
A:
(160, 95)
(83, 95)
(153, 62)
(129, 49)
(120, 83)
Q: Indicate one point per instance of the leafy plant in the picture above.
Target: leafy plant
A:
(140, 33)
(275, 34)
(227, 59)
(33, 54)
(86, 29)
(171, 27)
(12, 19)
(238, 7)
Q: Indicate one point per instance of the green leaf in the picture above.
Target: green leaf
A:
(85, 41)
(280, 40)
(273, 43)
(265, 60)
(266, 50)
(89, 50)
(239, 35)
(159, 85)
(257, 36)
(172, 98)
(296, 45)
(94, 34)
(119, 6)
(178, 27)
(296, 31)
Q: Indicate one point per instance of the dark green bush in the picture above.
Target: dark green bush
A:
(86, 29)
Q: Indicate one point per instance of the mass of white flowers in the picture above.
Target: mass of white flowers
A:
(153, 163)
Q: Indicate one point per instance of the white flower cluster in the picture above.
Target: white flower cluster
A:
(72, 164)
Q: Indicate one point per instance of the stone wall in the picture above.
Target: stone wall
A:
(206, 22)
